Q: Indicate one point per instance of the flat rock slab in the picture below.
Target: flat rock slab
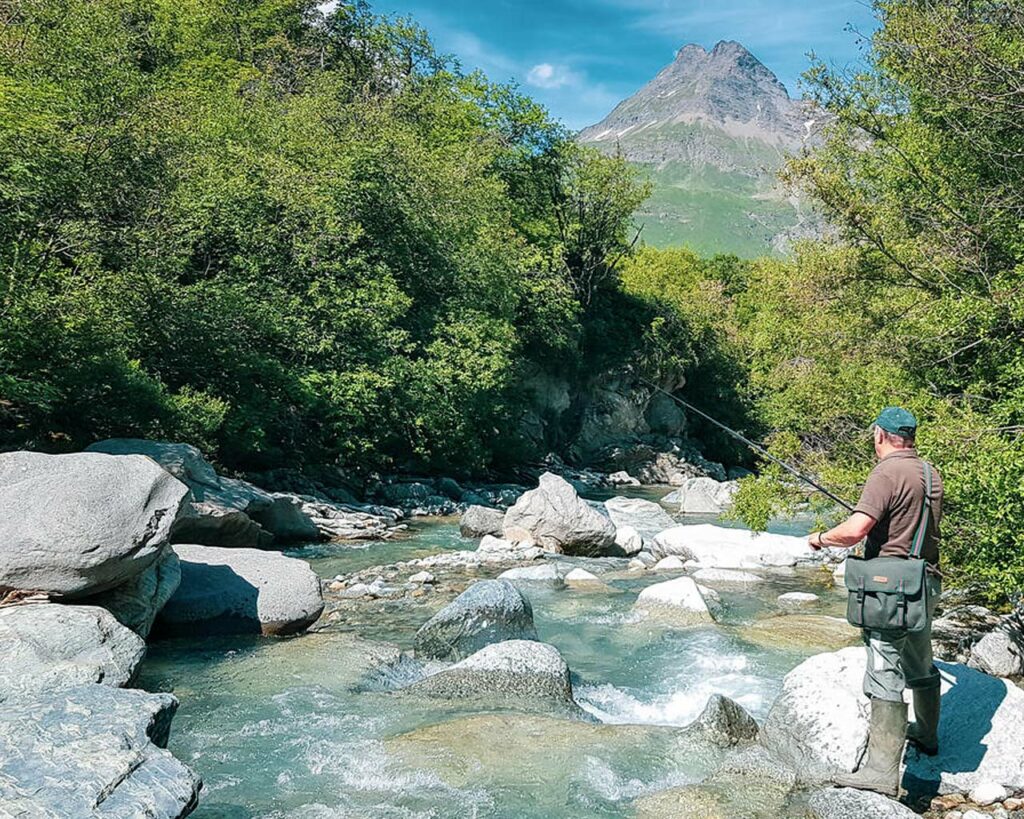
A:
(819, 726)
(49, 646)
(74, 525)
(92, 751)
(718, 547)
(487, 612)
(513, 668)
(246, 591)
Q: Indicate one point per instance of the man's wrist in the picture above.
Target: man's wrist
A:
(821, 541)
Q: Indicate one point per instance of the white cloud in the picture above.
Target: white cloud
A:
(546, 75)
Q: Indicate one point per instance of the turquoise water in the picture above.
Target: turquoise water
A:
(302, 728)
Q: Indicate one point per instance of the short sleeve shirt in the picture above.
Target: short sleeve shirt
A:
(893, 496)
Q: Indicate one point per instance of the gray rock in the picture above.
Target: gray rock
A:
(702, 496)
(478, 521)
(554, 517)
(516, 668)
(959, 628)
(545, 572)
(646, 517)
(136, 603)
(629, 541)
(725, 722)
(74, 525)
(489, 611)
(241, 591)
(847, 803)
(50, 646)
(1000, 652)
(224, 511)
(92, 751)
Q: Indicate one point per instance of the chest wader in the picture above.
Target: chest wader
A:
(890, 594)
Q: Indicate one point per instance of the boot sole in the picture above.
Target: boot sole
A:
(861, 787)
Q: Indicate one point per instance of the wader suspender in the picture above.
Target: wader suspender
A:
(917, 543)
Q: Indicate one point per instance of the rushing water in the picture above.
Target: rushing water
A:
(293, 728)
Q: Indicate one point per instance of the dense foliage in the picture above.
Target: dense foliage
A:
(919, 299)
(282, 236)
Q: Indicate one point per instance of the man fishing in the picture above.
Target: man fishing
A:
(899, 513)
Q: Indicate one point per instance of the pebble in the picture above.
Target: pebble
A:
(1013, 804)
(420, 592)
(336, 586)
(947, 801)
(975, 814)
(988, 792)
(953, 814)
(636, 565)
(358, 590)
(422, 577)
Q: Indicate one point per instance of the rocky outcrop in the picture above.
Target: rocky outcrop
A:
(241, 591)
(679, 598)
(554, 517)
(74, 525)
(721, 548)
(513, 668)
(955, 633)
(92, 751)
(702, 496)
(347, 521)
(136, 603)
(50, 646)
(478, 521)
(819, 725)
(489, 611)
(646, 517)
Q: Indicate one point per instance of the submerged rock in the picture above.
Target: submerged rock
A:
(554, 517)
(796, 601)
(137, 602)
(478, 521)
(49, 646)
(800, 632)
(702, 496)
(847, 803)
(75, 525)
(646, 517)
(92, 751)
(726, 576)
(679, 598)
(489, 611)
(819, 725)
(718, 547)
(544, 573)
(226, 591)
(685, 802)
(511, 668)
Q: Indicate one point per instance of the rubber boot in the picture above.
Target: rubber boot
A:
(923, 732)
(880, 771)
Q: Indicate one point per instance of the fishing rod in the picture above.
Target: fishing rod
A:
(760, 450)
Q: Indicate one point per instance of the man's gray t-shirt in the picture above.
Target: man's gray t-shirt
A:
(893, 496)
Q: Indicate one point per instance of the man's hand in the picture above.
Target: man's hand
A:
(815, 542)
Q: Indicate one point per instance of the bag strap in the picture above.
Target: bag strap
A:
(917, 543)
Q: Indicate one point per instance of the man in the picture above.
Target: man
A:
(888, 515)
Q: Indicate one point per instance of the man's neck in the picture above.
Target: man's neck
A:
(887, 450)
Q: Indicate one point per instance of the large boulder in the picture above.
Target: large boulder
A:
(680, 599)
(1000, 652)
(723, 548)
(554, 517)
(92, 751)
(646, 517)
(241, 591)
(819, 726)
(136, 603)
(49, 646)
(479, 521)
(702, 496)
(224, 511)
(512, 668)
(73, 525)
(489, 611)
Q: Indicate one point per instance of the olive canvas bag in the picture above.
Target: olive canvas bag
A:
(891, 593)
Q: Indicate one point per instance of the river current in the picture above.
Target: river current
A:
(302, 727)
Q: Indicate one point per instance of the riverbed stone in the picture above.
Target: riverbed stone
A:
(554, 517)
(819, 724)
(74, 525)
(684, 802)
(719, 547)
(702, 496)
(225, 591)
(725, 722)
(511, 668)
(489, 611)
(800, 632)
(629, 541)
(51, 646)
(726, 577)
(796, 601)
(137, 602)
(679, 598)
(847, 803)
(92, 751)
(478, 521)
(544, 573)
(646, 517)
(668, 564)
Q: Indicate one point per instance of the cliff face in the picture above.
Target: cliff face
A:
(713, 129)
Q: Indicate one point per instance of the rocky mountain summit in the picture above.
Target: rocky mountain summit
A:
(713, 129)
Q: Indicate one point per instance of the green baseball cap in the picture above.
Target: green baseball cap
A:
(896, 420)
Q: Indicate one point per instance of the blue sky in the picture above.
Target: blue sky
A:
(580, 57)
